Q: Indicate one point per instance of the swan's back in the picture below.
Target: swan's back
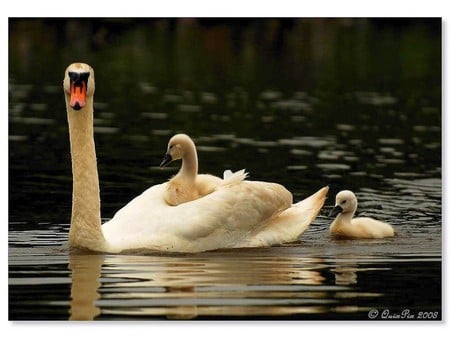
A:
(226, 218)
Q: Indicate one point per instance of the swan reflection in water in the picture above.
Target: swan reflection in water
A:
(86, 271)
(221, 284)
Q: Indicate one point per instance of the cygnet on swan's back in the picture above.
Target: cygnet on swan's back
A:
(187, 185)
(362, 227)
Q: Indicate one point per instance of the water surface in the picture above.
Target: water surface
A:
(353, 104)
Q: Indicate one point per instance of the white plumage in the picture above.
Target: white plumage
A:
(237, 214)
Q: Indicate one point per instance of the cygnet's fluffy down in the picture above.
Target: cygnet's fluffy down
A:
(187, 185)
(362, 227)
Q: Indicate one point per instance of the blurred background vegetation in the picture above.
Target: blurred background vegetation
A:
(201, 53)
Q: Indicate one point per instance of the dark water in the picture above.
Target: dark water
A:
(353, 104)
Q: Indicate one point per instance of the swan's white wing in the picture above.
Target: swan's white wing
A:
(223, 219)
(291, 223)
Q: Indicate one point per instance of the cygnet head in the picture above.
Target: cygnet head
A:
(179, 145)
(346, 202)
(78, 84)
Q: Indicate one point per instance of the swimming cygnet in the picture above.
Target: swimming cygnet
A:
(362, 227)
(187, 185)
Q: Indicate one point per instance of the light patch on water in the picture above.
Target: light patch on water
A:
(345, 127)
(39, 106)
(292, 105)
(333, 166)
(255, 143)
(19, 91)
(16, 108)
(138, 138)
(32, 120)
(424, 129)
(208, 98)
(52, 89)
(270, 95)
(105, 130)
(332, 154)
(267, 119)
(101, 106)
(210, 149)
(300, 152)
(172, 98)
(297, 167)
(161, 132)
(298, 118)
(17, 138)
(375, 98)
(188, 108)
(308, 141)
(147, 88)
(154, 115)
(391, 141)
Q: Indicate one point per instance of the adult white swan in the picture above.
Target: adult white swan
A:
(245, 214)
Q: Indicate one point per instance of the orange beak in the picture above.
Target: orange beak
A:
(77, 94)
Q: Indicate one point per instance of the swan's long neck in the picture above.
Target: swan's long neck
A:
(189, 167)
(85, 229)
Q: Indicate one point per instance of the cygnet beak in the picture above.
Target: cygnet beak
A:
(166, 160)
(336, 210)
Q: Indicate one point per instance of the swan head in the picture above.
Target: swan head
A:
(78, 84)
(179, 145)
(346, 202)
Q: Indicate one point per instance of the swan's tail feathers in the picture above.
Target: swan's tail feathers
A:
(290, 224)
(230, 178)
(319, 196)
(227, 173)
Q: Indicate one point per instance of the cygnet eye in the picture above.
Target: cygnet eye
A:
(344, 201)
